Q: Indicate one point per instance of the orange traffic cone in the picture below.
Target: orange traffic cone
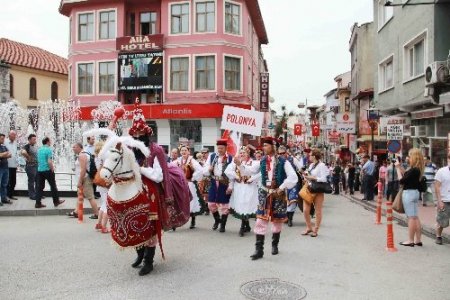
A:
(390, 230)
(80, 205)
(379, 203)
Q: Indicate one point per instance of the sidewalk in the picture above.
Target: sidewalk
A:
(25, 207)
(427, 215)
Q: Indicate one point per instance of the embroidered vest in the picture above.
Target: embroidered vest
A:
(279, 172)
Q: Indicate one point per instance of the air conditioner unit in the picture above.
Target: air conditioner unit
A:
(437, 73)
(419, 131)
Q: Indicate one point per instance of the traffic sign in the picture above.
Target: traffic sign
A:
(394, 146)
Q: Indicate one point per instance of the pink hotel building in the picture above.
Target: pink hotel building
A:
(185, 60)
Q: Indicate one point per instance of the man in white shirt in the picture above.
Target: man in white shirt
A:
(442, 189)
(11, 144)
(277, 176)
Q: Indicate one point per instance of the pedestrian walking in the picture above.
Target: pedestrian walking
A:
(336, 177)
(351, 178)
(90, 150)
(392, 182)
(410, 179)
(317, 171)
(11, 144)
(29, 151)
(103, 190)
(206, 181)
(84, 182)
(4, 171)
(368, 170)
(442, 190)
(382, 176)
(430, 172)
(46, 171)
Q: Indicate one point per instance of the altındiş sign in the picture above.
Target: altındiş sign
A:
(405, 121)
(242, 120)
(395, 132)
(346, 123)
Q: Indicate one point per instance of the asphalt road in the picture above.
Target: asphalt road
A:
(53, 257)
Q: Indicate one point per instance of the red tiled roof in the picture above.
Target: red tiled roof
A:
(15, 53)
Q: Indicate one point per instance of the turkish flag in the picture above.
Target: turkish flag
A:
(231, 144)
(315, 128)
(298, 129)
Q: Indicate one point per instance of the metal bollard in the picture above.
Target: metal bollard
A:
(379, 203)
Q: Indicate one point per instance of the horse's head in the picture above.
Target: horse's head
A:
(119, 163)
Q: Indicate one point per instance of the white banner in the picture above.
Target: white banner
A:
(346, 123)
(405, 121)
(242, 120)
(394, 132)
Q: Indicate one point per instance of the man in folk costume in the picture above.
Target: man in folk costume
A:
(277, 175)
(219, 191)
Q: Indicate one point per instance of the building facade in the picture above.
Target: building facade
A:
(184, 60)
(30, 74)
(408, 39)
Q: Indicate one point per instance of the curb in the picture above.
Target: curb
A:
(400, 218)
(40, 212)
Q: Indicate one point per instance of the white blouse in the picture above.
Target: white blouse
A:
(321, 171)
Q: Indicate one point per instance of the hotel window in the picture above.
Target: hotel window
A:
(107, 76)
(11, 86)
(70, 80)
(386, 74)
(107, 25)
(86, 27)
(179, 16)
(33, 89)
(205, 73)
(415, 57)
(148, 23)
(206, 16)
(132, 24)
(385, 13)
(232, 18)
(54, 90)
(85, 78)
(179, 74)
(232, 74)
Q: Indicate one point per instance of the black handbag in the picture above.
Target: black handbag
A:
(320, 187)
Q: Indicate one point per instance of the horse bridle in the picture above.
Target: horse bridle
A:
(116, 177)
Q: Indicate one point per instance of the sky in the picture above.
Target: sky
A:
(308, 40)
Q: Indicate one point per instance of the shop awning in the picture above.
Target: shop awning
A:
(428, 113)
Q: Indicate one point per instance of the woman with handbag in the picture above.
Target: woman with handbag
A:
(317, 172)
(411, 182)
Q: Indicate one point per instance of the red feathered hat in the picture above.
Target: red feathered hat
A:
(139, 126)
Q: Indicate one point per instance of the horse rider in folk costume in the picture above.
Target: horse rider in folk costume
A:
(277, 176)
(219, 191)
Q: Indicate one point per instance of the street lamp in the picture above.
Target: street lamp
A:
(373, 115)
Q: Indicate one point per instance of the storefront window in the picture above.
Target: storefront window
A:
(186, 130)
(439, 152)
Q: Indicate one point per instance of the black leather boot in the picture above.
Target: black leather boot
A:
(259, 247)
(140, 256)
(290, 215)
(192, 221)
(216, 220)
(223, 223)
(242, 229)
(275, 241)
(247, 226)
(148, 261)
(206, 210)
